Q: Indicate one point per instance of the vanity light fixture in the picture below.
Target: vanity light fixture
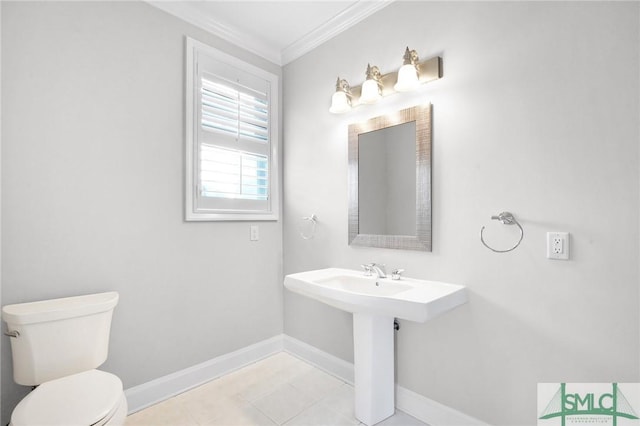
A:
(371, 88)
(341, 99)
(410, 76)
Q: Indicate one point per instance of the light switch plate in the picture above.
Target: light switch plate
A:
(254, 233)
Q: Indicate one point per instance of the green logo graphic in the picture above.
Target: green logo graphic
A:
(612, 404)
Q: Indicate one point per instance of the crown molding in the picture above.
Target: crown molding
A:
(347, 18)
(186, 11)
(339, 23)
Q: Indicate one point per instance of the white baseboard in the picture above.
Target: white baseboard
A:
(327, 362)
(147, 394)
(424, 409)
(430, 411)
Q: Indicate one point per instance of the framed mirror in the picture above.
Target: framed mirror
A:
(390, 180)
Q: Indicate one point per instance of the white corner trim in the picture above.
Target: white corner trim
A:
(339, 23)
(187, 12)
(280, 56)
(160, 389)
(418, 406)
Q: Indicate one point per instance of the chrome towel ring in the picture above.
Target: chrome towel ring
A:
(505, 218)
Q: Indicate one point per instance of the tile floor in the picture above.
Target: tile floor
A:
(279, 390)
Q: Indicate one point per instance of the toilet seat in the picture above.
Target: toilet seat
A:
(117, 416)
(89, 398)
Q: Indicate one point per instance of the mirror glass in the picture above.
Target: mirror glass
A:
(387, 187)
(390, 180)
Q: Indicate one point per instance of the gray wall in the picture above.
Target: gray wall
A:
(92, 190)
(537, 114)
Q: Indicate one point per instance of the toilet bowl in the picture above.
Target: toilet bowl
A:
(57, 346)
(89, 398)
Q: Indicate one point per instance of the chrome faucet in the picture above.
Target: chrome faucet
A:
(379, 270)
(373, 267)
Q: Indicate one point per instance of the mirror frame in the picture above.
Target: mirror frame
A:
(421, 114)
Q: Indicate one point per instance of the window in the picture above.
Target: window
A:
(231, 138)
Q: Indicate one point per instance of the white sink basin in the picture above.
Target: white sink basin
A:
(351, 291)
(363, 285)
(375, 303)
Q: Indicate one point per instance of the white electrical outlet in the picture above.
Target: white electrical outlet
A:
(558, 245)
(254, 233)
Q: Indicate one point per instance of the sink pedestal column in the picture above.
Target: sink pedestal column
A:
(373, 351)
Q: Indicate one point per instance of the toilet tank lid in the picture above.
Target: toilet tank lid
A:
(57, 309)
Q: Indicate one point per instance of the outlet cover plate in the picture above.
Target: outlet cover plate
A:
(558, 245)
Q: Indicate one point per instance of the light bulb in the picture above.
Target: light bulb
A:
(340, 103)
(341, 99)
(407, 79)
(370, 92)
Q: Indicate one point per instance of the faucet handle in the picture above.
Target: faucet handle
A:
(396, 274)
(368, 268)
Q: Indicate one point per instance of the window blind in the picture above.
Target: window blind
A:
(234, 163)
(229, 110)
(231, 138)
(232, 174)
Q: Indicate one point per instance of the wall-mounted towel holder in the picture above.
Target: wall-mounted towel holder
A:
(505, 218)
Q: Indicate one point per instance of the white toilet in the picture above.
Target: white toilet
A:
(57, 346)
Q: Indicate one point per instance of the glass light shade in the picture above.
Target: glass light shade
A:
(407, 79)
(339, 103)
(370, 92)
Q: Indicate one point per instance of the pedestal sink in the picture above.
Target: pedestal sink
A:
(375, 302)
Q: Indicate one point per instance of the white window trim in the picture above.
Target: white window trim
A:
(191, 144)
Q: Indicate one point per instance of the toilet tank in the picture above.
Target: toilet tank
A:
(59, 337)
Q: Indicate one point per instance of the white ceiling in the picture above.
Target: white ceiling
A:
(279, 31)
